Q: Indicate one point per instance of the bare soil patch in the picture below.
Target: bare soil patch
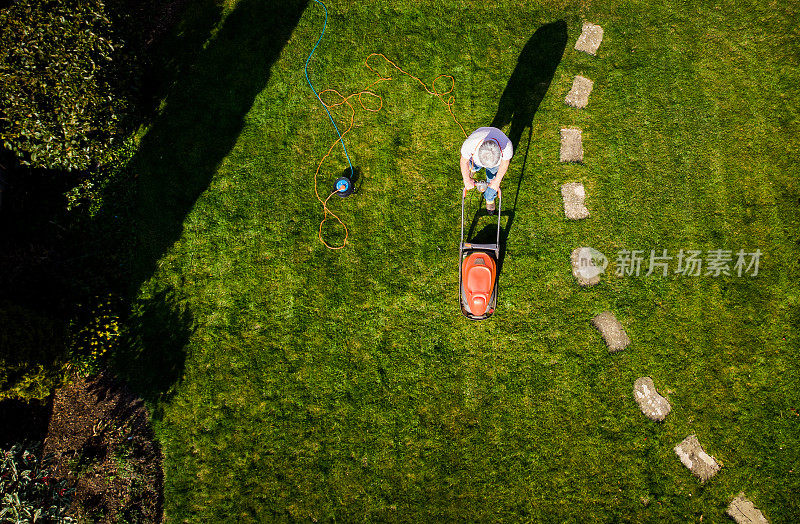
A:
(101, 438)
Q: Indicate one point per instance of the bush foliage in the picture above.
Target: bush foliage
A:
(28, 491)
(62, 99)
(94, 335)
(33, 357)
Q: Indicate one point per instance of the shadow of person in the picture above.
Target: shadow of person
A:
(531, 79)
(525, 91)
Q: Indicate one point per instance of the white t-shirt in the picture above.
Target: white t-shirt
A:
(469, 148)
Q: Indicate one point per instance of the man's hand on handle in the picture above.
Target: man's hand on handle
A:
(466, 174)
(501, 172)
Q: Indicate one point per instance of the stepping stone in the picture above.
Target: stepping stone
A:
(573, 195)
(744, 512)
(578, 96)
(590, 38)
(701, 464)
(612, 331)
(587, 265)
(654, 406)
(571, 145)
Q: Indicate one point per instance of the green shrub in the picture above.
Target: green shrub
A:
(62, 100)
(93, 335)
(28, 491)
(33, 357)
(107, 184)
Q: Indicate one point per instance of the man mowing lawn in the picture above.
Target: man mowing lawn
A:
(486, 148)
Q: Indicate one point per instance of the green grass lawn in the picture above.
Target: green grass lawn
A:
(291, 382)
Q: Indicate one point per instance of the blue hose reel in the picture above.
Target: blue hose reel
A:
(343, 186)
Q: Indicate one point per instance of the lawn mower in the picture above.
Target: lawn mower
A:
(477, 271)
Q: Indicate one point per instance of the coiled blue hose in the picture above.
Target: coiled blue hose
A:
(324, 25)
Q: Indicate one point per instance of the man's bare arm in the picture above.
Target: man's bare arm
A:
(501, 172)
(466, 174)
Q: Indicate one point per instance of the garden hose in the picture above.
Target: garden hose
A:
(447, 98)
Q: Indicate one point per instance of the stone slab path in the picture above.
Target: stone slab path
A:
(744, 512)
(700, 463)
(590, 39)
(578, 96)
(574, 195)
(584, 269)
(654, 406)
(571, 145)
(612, 331)
(587, 273)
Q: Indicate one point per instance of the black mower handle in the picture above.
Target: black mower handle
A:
(499, 212)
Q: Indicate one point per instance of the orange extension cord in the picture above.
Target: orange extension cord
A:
(367, 91)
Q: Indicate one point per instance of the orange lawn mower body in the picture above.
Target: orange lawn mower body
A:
(478, 272)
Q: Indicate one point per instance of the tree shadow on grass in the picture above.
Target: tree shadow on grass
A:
(525, 91)
(152, 352)
(52, 258)
(202, 121)
(174, 165)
